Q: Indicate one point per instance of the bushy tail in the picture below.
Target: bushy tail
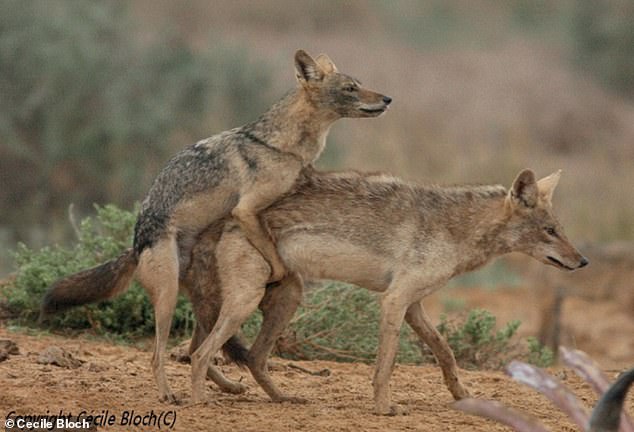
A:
(98, 283)
(606, 416)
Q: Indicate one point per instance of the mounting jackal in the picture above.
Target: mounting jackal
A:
(375, 231)
(610, 278)
(238, 172)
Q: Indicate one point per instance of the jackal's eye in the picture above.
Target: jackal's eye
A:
(350, 88)
(551, 231)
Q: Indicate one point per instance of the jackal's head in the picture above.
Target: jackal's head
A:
(532, 226)
(334, 92)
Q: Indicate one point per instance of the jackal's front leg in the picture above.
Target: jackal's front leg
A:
(260, 238)
(420, 322)
(392, 314)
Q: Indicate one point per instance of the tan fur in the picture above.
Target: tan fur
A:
(402, 240)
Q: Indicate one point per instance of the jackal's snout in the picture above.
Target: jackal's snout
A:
(562, 254)
(373, 104)
(569, 265)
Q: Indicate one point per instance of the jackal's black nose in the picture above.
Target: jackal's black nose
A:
(387, 100)
(584, 262)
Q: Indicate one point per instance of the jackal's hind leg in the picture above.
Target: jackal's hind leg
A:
(242, 273)
(158, 273)
(260, 239)
(278, 307)
(235, 310)
(213, 373)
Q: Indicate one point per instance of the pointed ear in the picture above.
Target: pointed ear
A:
(326, 64)
(306, 69)
(524, 191)
(547, 185)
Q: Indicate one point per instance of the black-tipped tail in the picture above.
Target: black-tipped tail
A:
(235, 351)
(98, 283)
(606, 416)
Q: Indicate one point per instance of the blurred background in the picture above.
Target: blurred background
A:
(96, 95)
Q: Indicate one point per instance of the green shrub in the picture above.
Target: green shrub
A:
(476, 343)
(100, 238)
(538, 354)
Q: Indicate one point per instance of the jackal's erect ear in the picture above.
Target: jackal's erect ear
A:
(547, 185)
(307, 69)
(326, 64)
(524, 191)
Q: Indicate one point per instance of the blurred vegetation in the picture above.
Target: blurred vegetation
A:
(92, 108)
(604, 36)
(494, 275)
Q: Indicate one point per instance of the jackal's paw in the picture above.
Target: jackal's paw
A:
(291, 399)
(198, 397)
(169, 398)
(460, 392)
(391, 410)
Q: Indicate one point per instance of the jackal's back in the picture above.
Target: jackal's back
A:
(373, 210)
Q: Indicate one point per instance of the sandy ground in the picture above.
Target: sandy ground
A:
(118, 379)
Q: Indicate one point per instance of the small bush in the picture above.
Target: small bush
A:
(538, 354)
(100, 238)
(475, 342)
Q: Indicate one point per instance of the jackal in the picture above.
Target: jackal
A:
(238, 172)
(402, 240)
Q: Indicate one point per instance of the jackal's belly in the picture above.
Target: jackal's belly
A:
(325, 257)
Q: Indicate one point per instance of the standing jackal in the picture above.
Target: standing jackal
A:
(238, 172)
(374, 231)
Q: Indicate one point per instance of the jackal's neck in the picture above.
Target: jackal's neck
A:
(294, 125)
(481, 234)
(489, 240)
